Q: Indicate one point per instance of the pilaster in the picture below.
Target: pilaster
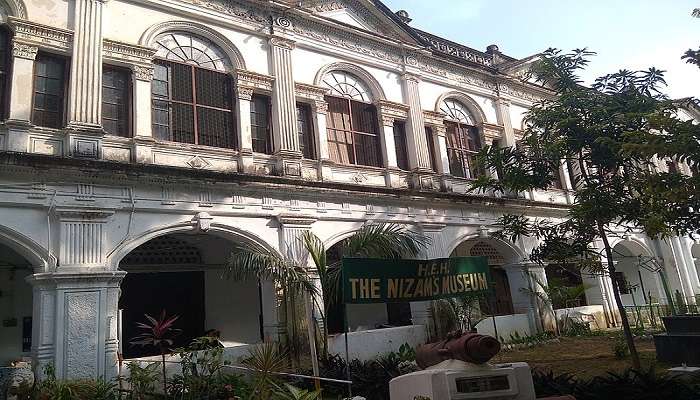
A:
(315, 96)
(504, 120)
(245, 139)
(389, 113)
(82, 234)
(285, 130)
(527, 275)
(21, 84)
(85, 90)
(418, 157)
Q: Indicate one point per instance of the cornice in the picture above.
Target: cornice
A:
(129, 53)
(310, 92)
(42, 36)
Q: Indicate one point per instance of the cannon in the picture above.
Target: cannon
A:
(470, 347)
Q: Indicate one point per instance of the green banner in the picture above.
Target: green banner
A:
(368, 280)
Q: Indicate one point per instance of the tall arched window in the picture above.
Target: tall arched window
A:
(4, 71)
(463, 139)
(192, 92)
(353, 131)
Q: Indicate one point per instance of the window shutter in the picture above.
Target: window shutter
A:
(400, 145)
(116, 95)
(49, 91)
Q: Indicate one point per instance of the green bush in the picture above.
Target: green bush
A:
(631, 384)
(619, 347)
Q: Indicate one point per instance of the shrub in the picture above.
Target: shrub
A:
(620, 349)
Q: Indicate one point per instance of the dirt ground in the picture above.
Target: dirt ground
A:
(583, 357)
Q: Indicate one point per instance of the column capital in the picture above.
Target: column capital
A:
(24, 50)
(321, 107)
(245, 93)
(282, 43)
(143, 73)
(410, 77)
(295, 221)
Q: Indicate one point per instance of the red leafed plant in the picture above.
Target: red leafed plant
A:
(160, 334)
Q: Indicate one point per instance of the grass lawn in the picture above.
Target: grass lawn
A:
(583, 357)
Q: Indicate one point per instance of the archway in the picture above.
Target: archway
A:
(499, 255)
(634, 273)
(16, 306)
(181, 273)
(363, 317)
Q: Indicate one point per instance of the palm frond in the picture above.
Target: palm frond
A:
(385, 241)
(246, 264)
(696, 13)
(316, 250)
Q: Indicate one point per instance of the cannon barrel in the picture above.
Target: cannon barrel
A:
(469, 347)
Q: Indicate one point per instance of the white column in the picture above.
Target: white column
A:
(245, 139)
(85, 90)
(21, 89)
(421, 311)
(143, 126)
(686, 245)
(286, 137)
(686, 282)
(442, 159)
(388, 144)
(76, 305)
(503, 116)
(321, 128)
(417, 147)
(523, 285)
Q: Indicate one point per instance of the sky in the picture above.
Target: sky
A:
(629, 34)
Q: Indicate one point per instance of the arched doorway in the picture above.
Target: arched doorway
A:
(364, 316)
(498, 255)
(635, 273)
(15, 306)
(181, 273)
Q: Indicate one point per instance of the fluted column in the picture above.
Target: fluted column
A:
(418, 156)
(85, 95)
(388, 144)
(286, 138)
(443, 160)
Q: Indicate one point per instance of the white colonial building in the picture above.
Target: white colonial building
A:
(142, 140)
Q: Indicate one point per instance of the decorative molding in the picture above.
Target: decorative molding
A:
(457, 50)
(287, 220)
(22, 50)
(254, 80)
(435, 118)
(390, 109)
(43, 36)
(128, 53)
(282, 43)
(143, 73)
(357, 71)
(149, 38)
(198, 162)
(245, 93)
(310, 92)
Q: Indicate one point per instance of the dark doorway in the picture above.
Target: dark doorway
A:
(501, 301)
(178, 293)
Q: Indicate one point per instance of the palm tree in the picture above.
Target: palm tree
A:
(696, 13)
(388, 241)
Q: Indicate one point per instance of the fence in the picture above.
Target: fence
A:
(649, 316)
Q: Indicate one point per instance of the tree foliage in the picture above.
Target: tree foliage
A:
(625, 141)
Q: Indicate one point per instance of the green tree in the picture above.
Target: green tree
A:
(388, 241)
(613, 135)
(693, 56)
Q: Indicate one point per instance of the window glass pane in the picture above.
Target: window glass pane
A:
(340, 137)
(181, 82)
(400, 145)
(4, 71)
(213, 88)
(215, 127)
(49, 85)
(304, 126)
(260, 124)
(115, 101)
(182, 123)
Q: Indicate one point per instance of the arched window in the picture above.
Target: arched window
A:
(353, 131)
(192, 92)
(463, 139)
(4, 71)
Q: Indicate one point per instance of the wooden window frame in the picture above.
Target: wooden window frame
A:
(350, 103)
(128, 95)
(307, 142)
(462, 150)
(268, 128)
(400, 145)
(432, 155)
(194, 105)
(64, 90)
